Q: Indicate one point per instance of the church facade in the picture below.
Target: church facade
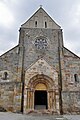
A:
(40, 73)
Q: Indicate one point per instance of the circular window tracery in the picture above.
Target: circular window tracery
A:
(41, 43)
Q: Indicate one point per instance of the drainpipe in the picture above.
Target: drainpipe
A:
(60, 77)
(22, 73)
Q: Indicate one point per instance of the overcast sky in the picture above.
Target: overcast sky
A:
(13, 13)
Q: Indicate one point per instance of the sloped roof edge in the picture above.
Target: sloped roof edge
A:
(9, 50)
(71, 52)
(45, 12)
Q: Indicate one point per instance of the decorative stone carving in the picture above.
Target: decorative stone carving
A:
(41, 43)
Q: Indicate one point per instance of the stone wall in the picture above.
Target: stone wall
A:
(71, 67)
(10, 96)
(9, 64)
(71, 88)
(25, 61)
(31, 54)
(71, 102)
(41, 17)
(38, 61)
(10, 90)
(7, 96)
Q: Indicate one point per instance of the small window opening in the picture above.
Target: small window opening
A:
(35, 23)
(76, 78)
(45, 24)
(5, 75)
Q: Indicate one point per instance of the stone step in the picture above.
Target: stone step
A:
(53, 116)
(37, 112)
(41, 112)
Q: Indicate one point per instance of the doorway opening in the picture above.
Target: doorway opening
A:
(40, 99)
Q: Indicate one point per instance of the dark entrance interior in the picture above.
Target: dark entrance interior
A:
(40, 99)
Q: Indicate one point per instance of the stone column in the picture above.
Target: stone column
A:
(27, 99)
(54, 101)
(50, 99)
(31, 94)
(57, 102)
(30, 99)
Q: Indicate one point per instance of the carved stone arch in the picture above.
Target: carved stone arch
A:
(41, 83)
(41, 43)
(41, 78)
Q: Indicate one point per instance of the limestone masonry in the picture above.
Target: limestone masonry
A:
(40, 73)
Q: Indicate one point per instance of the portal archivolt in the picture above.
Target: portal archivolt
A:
(40, 93)
(41, 79)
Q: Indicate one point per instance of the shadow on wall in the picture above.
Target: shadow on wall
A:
(2, 109)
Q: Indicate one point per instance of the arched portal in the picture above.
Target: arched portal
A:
(38, 92)
(41, 93)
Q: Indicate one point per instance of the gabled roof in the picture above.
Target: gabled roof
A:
(40, 9)
(11, 50)
(71, 53)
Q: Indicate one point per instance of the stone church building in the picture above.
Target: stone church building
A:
(40, 73)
